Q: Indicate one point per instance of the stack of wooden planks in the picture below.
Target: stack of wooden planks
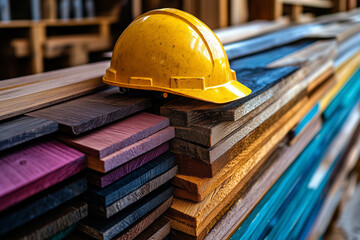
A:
(129, 173)
(229, 156)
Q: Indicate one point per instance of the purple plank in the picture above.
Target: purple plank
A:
(34, 167)
(124, 155)
(114, 137)
(103, 180)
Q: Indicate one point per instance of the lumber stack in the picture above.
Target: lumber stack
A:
(129, 173)
(240, 162)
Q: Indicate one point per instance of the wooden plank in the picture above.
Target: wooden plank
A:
(121, 188)
(191, 218)
(120, 204)
(209, 134)
(130, 152)
(158, 230)
(107, 229)
(42, 203)
(52, 223)
(92, 111)
(104, 179)
(310, 3)
(116, 136)
(257, 186)
(248, 30)
(24, 94)
(35, 167)
(144, 222)
(22, 129)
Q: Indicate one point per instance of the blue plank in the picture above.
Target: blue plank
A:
(132, 181)
(307, 119)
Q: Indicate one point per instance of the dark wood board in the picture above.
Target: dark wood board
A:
(42, 203)
(120, 204)
(92, 111)
(130, 152)
(132, 181)
(51, 223)
(187, 112)
(144, 222)
(34, 167)
(158, 230)
(188, 165)
(107, 140)
(104, 179)
(107, 229)
(22, 129)
(29, 93)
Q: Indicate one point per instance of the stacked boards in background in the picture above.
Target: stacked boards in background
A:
(129, 173)
(229, 156)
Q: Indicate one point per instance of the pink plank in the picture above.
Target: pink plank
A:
(34, 167)
(114, 137)
(103, 180)
(124, 155)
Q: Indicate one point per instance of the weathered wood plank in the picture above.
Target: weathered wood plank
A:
(92, 111)
(255, 188)
(52, 223)
(35, 167)
(22, 129)
(107, 229)
(130, 152)
(144, 222)
(116, 136)
(42, 203)
(104, 179)
(158, 230)
(120, 204)
(121, 188)
(24, 94)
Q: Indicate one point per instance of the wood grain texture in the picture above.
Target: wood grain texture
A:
(116, 136)
(254, 189)
(25, 94)
(158, 230)
(35, 167)
(92, 111)
(104, 179)
(130, 152)
(144, 222)
(118, 205)
(193, 219)
(42, 203)
(52, 223)
(121, 188)
(22, 129)
(107, 229)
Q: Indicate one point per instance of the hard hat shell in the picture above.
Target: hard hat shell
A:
(171, 51)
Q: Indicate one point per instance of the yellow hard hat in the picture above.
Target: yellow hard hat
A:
(171, 51)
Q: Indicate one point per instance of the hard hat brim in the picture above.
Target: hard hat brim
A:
(228, 92)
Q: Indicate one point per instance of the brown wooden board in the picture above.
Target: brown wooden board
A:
(22, 129)
(108, 229)
(86, 113)
(187, 112)
(158, 230)
(130, 152)
(189, 165)
(51, 223)
(120, 204)
(193, 219)
(24, 94)
(107, 140)
(252, 192)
